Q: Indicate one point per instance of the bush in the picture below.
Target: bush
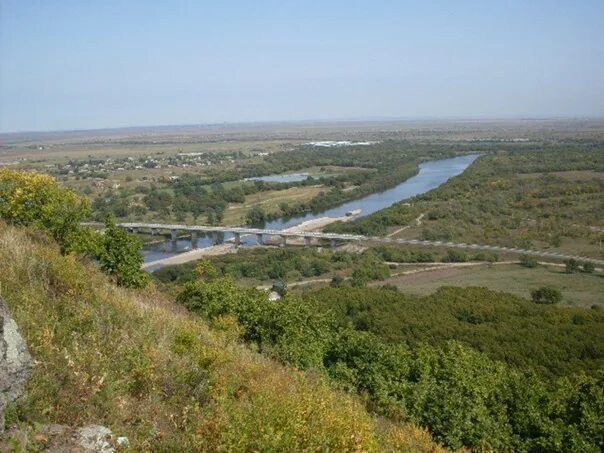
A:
(589, 267)
(546, 295)
(572, 266)
(37, 200)
(528, 261)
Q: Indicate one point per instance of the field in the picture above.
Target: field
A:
(581, 290)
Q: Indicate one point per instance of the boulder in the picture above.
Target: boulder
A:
(15, 361)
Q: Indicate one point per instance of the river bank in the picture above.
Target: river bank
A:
(431, 175)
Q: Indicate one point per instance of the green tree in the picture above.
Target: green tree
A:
(572, 266)
(256, 216)
(589, 267)
(546, 295)
(528, 261)
(206, 270)
(120, 255)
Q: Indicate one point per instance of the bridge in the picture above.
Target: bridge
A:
(333, 238)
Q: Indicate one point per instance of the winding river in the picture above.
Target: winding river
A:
(431, 175)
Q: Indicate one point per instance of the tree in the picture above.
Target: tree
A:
(589, 267)
(546, 295)
(120, 255)
(206, 270)
(528, 261)
(572, 266)
(256, 216)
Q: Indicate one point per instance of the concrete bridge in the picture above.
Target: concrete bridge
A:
(333, 238)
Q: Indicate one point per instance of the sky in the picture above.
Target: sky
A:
(95, 64)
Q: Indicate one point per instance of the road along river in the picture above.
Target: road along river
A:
(431, 175)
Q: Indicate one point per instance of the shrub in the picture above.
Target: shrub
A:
(572, 266)
(34, 199)
(546, 295)
(528, 261)
(589, 267)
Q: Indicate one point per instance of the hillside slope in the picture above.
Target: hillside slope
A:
(138, 364)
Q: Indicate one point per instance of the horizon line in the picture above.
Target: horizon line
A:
(314, 120)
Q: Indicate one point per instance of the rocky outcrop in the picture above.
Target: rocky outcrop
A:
(15, 361)
(64, 439)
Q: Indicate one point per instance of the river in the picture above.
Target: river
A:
(431, 175)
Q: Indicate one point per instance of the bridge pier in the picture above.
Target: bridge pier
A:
(332, 242)
(193, 239)
(153, 231)
(259, 239)
(237, 239)
(307, 240)
(214, 237)
(283, 241)
(174, 235)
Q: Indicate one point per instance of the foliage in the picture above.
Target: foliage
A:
(130, 361)
(546, 295)
(461, 395)
(540, 338)
(256, 216)
(34, 199)
(571, 266)
(517, 198)
(528, 261)
(120, 255)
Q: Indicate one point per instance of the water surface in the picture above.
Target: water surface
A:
(431, 175)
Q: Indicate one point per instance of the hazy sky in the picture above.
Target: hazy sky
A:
(92, 64)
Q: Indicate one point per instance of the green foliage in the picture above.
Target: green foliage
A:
(512, 198)
(120, 255)
(205, 270)
(280, 264)
(455, 256)
(159, 376)
(527, 336)
(546, 295)
(256, 216)
(528, 261)
(572, 266)
(461, 395)
(289, 329)
(589, 267)
(34, 199)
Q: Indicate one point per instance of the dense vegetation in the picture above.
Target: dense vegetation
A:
(463, 397)
(287, 264)
(370, 169)
(134, 362)
(551, 341)
(549, 197)
(36, 200)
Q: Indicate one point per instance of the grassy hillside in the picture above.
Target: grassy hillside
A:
(138, 364)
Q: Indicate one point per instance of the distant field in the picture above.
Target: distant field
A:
(60, 152)
(577, 289)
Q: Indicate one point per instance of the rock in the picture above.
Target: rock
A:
(15, 361)
(64, 439)
(95, 438)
